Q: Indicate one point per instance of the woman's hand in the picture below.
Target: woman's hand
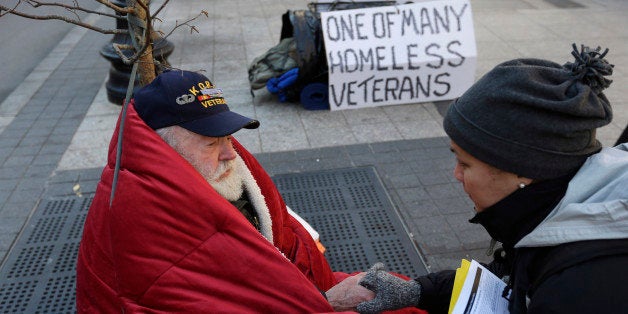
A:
(392, 292)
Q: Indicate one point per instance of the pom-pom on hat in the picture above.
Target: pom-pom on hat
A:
(532, 117)
(190, 100)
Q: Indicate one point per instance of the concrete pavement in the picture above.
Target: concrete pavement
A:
(57, 124)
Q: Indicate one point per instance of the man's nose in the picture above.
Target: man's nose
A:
(227, 152)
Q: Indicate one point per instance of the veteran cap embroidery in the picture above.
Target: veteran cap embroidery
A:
(190, 100)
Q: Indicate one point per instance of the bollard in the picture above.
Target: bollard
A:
(120, 73)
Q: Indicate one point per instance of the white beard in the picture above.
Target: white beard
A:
(230, 187)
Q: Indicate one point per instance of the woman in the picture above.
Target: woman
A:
(542, 186)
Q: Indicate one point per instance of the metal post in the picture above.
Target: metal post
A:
(120, 73)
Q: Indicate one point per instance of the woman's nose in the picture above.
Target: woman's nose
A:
(458, 173)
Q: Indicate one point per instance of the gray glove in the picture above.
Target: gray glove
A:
(391, 292)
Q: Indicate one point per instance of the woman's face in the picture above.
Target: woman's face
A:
(485, 184)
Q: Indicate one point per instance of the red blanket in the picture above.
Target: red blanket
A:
(170, 243)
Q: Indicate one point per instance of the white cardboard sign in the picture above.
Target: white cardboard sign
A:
(399, 54)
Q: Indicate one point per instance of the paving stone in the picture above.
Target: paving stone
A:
(432, 177)
(26, 151)
(434, 224)
(455, 205)
(11, 137)
(7, 184)
(4, 195)
(353, 150)
(17, 161)
(412, 195)
(35, 140)
(57, 149)
(39, 172)
(475, 238)
(24, 195)
(384, 147)
(392, 169)
(363, 160)
(19, 210)
(421, 209)
(14, 172)
(46, 159)
(386, 157)
(445, 241)
(442, 191)
(404, 181)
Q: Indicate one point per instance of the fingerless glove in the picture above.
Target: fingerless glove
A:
(391, 292)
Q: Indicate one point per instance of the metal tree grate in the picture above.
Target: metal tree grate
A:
(39, 273)
(348, 207)
(357, 222)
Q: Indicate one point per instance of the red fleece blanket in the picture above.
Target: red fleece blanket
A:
(169, 243)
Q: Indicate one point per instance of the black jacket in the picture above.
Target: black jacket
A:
(576, 277)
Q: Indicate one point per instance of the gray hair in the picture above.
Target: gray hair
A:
(168, 135)
(172, 135)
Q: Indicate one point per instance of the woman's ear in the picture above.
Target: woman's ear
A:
(523, 181)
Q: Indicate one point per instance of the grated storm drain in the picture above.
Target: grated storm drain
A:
(39, 274)
(356, 220)
(348, 207)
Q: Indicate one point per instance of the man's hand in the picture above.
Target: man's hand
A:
(346, 295)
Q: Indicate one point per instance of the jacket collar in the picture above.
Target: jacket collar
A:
(256, 198)
(595, 205)
(517, 214)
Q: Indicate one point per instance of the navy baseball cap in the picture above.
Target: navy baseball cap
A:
(191, 101)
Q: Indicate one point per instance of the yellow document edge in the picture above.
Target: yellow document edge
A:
(461, 274)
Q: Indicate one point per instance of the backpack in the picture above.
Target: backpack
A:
(301, 46)
(275, 62)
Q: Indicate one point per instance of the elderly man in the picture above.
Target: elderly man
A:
(195, 223)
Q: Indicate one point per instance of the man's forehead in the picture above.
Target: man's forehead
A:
(184, 131)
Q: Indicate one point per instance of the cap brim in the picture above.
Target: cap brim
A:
(220, 124)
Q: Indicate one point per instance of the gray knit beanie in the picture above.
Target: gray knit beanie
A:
(532, 117)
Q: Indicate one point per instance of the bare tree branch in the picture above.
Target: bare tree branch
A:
(62, 18)
(132, 59)
(144, 42)
(118, 9)
(186, 23)
(121, 10)
(118, 49)
(136, 12)
(8, 10)
(76, 7)
(163, 5)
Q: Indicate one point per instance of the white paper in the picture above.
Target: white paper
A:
(481, 293)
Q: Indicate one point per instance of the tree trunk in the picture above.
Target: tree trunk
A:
(146, 66)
